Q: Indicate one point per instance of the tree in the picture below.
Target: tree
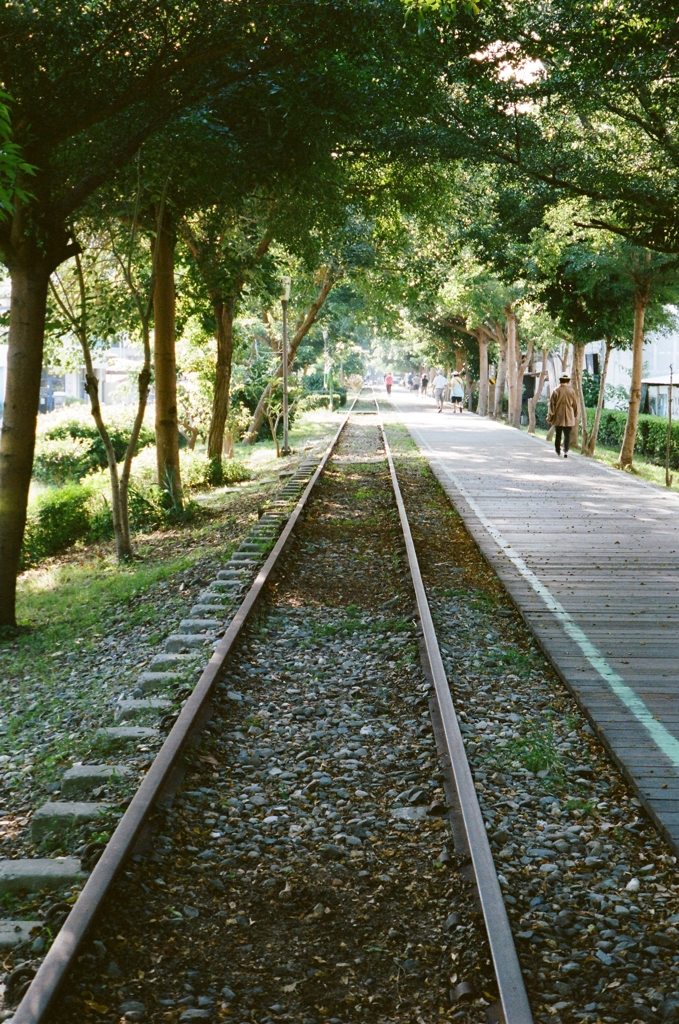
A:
(598, 285)
(329, 276)
(164, 356)
(90, 86)
(85, 304)
(469, 303)
(225, 252)
(113, 80)
(13, 167)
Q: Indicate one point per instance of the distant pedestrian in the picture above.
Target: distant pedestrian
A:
(457, 393)
(563, 413)
(424, 383)
(440, 384)
(388, 381)
(415, 382)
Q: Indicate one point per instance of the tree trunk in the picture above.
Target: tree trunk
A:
(581, 422)
(224, 313)
(501, 372)
(208, 257)
(468, 387)
(532, 402)
(591, 440)
(121, 530)
(259, 413)
(627, 450)
(523, 362)
(482, 408)
(22, 400)
(165, 363)
(510, 358)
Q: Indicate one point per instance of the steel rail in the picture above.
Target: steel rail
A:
(511, 989)
(36, 1001)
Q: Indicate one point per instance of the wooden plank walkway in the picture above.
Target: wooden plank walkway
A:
(590, 556)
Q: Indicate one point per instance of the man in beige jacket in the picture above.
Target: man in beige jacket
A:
(563, 413)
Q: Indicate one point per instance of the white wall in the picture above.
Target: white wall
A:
(660, 350)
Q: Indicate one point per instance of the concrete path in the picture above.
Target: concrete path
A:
(590, 556)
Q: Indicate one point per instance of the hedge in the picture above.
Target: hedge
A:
(57, 520)
(68, 448)
(320, 400)
(651, 437)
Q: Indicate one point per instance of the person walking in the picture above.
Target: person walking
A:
(563, 413)
(457, 393)
(388, 381)
(424, 384)
(440, 385)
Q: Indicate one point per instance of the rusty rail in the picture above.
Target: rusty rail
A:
(511, 989)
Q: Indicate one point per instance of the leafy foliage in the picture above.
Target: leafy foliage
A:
(70, 447)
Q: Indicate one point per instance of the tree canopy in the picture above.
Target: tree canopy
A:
(444, 182)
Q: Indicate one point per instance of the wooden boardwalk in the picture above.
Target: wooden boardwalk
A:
(590, 557)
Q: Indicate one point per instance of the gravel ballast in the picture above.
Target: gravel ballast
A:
(306, 871)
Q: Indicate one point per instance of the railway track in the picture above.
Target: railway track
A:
(306, 854)
(164, 776)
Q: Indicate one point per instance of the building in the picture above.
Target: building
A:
(661, 356)
(116, 370)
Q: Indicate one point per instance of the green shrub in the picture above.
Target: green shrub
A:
(101, 520)
(590, 388)
(195, 469)
(317, 400)
(59, 460)
(651, 436)
(69, 445)
(541, 410)
(77, 511)
(234, 472)
(312, 384)
(146, 508)
(58, 519)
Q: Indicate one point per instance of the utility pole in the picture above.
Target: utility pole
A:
(285, 298)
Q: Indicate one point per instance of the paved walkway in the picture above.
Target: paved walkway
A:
(590, 556)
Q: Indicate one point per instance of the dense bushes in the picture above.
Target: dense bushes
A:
(82, 511)
(320, 400)
(312, 384)
(58, 519)
(195, 469)
(60, 459)
(651, 433)
(69, 446)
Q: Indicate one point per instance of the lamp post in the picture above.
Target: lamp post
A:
(285, 298)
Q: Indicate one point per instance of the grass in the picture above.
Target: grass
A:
(642, 468)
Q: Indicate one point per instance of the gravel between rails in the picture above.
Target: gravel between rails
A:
(592, 889)
(305, 873)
